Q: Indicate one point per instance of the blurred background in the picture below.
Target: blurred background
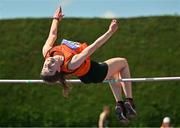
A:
(148, 37)
(88, 8)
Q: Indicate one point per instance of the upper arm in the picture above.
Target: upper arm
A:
(76, 61)
(48, 45)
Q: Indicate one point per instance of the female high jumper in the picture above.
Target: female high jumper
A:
(73, 58)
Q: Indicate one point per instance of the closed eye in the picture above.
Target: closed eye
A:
(53, 60)
(51, 71)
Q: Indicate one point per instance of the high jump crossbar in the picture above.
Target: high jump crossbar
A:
(150, 79)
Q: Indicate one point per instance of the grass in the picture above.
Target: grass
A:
(151, 45)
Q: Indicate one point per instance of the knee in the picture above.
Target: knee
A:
(123, 60)
(114, 76)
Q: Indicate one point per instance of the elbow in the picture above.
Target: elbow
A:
(52, 37)
(43, 52)
(85, 53)
(53, 34)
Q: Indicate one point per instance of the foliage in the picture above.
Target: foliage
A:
(151, 45)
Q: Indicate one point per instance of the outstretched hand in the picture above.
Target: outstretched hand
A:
(58, 14)
(113, 26)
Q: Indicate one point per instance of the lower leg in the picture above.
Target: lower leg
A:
(127, 86)
(117, 92)
(116, 89)
(120, 66)
(127, 89)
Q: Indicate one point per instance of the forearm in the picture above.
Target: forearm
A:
(78, 59)
(101, 40)
(52, 34)
(97, 44)
(54, 28)
(53, 31)
(51, 38)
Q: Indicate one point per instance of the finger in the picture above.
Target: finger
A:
(61, 14)
(60, 9)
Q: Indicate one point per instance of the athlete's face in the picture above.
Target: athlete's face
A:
(52, 65)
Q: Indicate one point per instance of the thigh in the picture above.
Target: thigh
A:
(115, 65)
(96, 74)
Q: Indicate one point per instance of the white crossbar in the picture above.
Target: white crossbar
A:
(152, 79)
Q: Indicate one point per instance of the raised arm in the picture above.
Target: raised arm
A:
(78, 59)
(53, 31)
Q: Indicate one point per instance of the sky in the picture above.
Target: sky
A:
(88, 8)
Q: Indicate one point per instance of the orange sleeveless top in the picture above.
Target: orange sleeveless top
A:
(68, 52)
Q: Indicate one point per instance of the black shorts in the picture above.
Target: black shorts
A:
(96, 74)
